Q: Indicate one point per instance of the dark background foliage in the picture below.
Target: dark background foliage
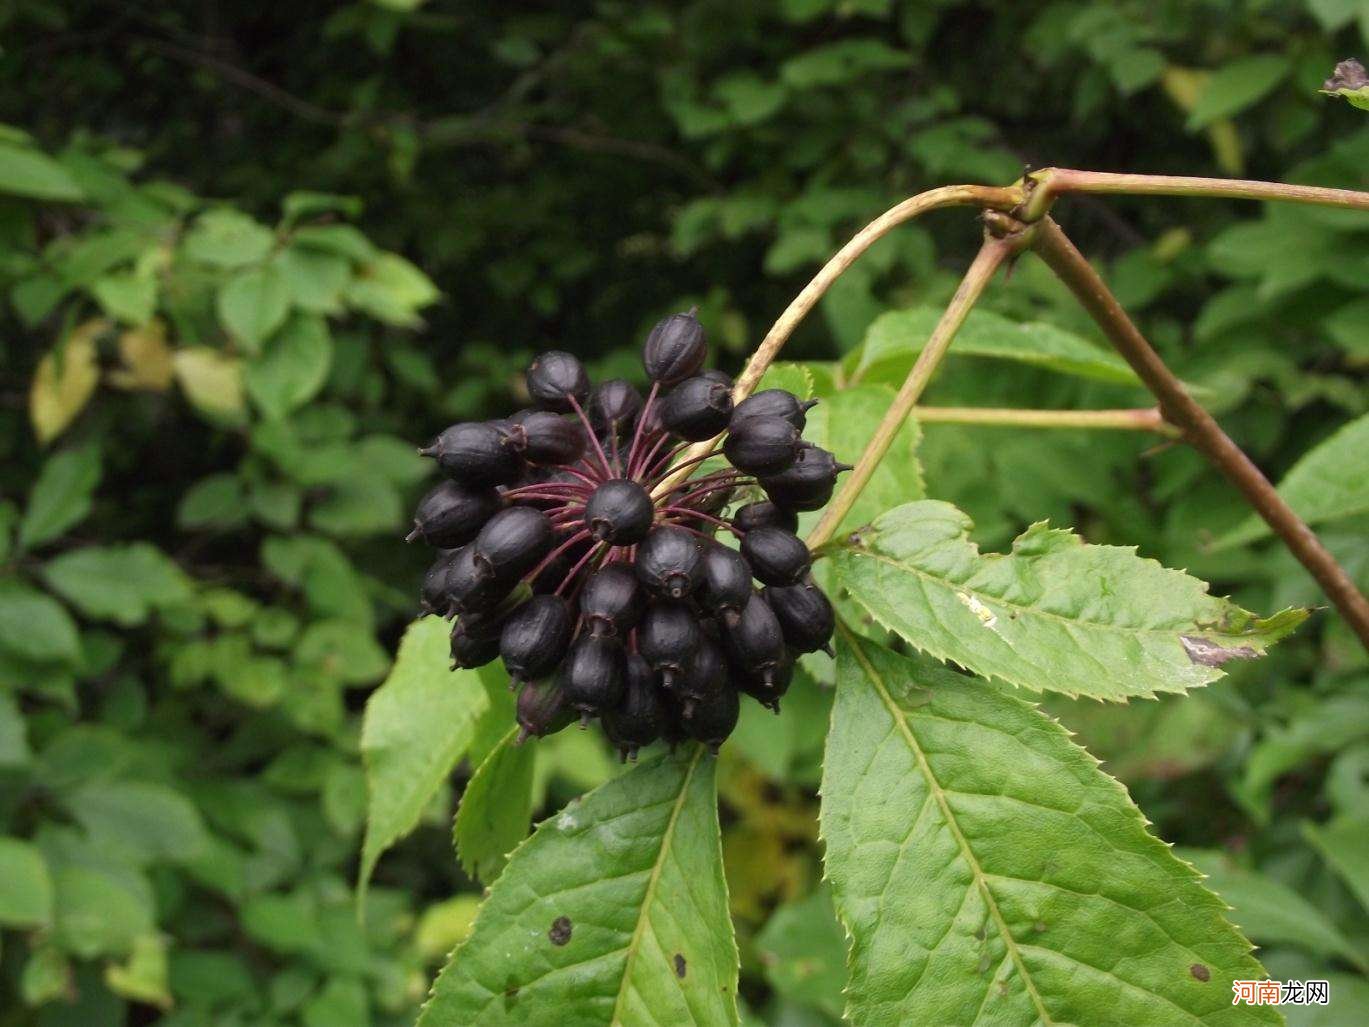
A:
(201, 585)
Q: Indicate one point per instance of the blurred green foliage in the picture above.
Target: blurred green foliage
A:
(250, 254)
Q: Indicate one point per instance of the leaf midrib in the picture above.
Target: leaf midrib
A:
(934, 787)
(634, 943)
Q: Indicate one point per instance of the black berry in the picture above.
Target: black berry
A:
(451, 514)
(536, 637)
(726, 579)
(712, 719)
(555, 379)
(592, 675)
(762, 445)
(611, 600)
(620, 512)
(472, 647)
(512, 543)
(543, 710)
(697, 409)
(668, 561)
(765, 515)
(805, 616)
(753, 637)
(668, 637)
(638, 719)
(469, 585)
(614, 406)
(807, 483)
(547, 438)
(776, 556)
(476, 453)
(675, 349)
(774, 403)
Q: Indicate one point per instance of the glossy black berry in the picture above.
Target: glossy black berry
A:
(536, 637)
(807, 484)
(805, 616)
(638, 719)
(433, 594)
(668, 561)
(715, 375)
(547, 438)
(472, 647)
(769, 685)
(776, 556)
(705, 674)
(726, 579)
(452, 514)
(753, 637)
(476, 453)
(675, 349)
(712, 719)
(774, 403)
(762, 445)
(611, 601)
(591, 675)
(697, 409)
(469, 585)
(619, 512)
(765, 514)
(512, 543)
(668, 637)
(614, 406)
(555, 378)
(542, 710)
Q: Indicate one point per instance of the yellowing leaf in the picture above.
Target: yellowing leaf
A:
(147, 361)
(211, 380)
(64, 382)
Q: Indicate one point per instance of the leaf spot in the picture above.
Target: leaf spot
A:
(986, 616)
(680, 966)
(560, 930)
(1200, 972)
(1211, 654)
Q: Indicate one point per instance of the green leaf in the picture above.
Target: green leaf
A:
(35, 626)
(25, 887)
(496, 808)
(1235, 86)
(101, 906)
(25, 171)
(1331, 724)
(804, 953)
(217, 501)
(1344, 844)
(227, 238)
(392, 290)
(417, 725)
(1055, 614)
(316, 278)
(987, 870)
(1329, 482)
(1271, 912)
(292, 368)
(143, 978)
(141, 820)
(123, 584)
(896, 338)
(253, 304)
(614, 911)
(843, 423)
(61, 495)
(339, 649)
(14, 743)
(342, 1001)
(129, 296)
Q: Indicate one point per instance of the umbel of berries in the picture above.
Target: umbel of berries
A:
(581, 546)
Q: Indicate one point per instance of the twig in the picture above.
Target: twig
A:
(1142, 419)
(1045, 185)
(991, 255)
(1196, 425)
(985, 197)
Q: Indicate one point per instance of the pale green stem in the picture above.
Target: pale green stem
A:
(1047, 184)
(991, 255)
(1141, 419)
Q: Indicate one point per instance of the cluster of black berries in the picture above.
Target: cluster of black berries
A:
(579, 546)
